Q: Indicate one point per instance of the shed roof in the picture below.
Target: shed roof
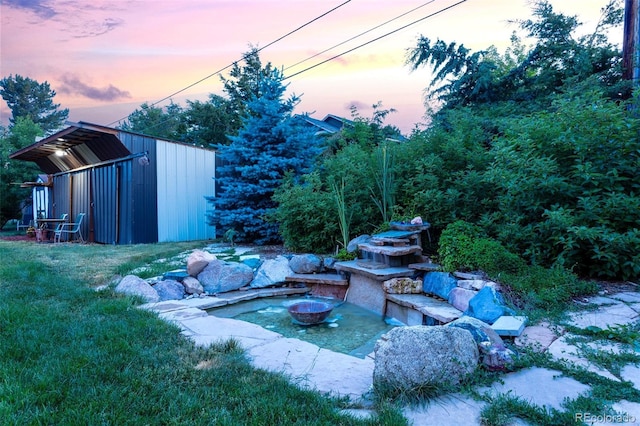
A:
(81, 144)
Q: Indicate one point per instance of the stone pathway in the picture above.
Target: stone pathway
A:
(338, 374)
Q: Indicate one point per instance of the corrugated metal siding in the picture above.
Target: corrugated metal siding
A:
(112, 203)
(105, 201)
(185, 176)
(71, 196)
(142, 185)
(81, 199)
(126, 200)
(61, 197)
(126, 223)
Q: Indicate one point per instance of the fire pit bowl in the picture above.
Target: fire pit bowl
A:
(309, 312)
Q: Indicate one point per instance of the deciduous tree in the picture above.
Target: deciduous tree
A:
(13, 172)
(156, 121)
(526, 77)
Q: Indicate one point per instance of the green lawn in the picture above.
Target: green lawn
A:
(73, 355)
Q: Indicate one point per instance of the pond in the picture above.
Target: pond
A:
(349, 329)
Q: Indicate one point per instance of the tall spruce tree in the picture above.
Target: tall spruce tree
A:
(270, 144)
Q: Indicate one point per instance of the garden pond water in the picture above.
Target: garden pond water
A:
(350, 329)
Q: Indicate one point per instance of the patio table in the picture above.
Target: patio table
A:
(44, 226)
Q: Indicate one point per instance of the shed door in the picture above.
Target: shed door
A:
(105, 204)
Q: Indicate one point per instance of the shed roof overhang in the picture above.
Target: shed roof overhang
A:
(79, 145)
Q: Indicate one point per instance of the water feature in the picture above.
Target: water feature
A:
(349, 328)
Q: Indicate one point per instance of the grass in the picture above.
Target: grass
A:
(73, 355)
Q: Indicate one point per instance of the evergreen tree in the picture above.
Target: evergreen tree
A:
(30, 99)
(270, 144)
(243, 85)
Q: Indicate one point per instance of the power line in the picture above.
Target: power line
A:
(361, 34)
(374, 40)
(231, 64)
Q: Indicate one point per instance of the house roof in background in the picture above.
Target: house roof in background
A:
(330, 124)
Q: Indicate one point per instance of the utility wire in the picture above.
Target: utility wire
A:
(374, 40)
(313, 56)
(231, 64)
(361, 34)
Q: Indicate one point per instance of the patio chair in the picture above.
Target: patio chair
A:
(70, 229)
(25, 222)
(63, 218)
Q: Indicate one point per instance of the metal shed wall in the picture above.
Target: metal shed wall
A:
(105, 202)
(71, 195)
(185, 176)
(143, 210)
(111, 196)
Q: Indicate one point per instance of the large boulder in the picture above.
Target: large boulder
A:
(439, 284)
(272, 272)
(305, 263)
(486, 306)
(220, 276)
(136, 286)
(412, 357)
(459, 298)
(192, 286)
(169, 290)
(197, 261)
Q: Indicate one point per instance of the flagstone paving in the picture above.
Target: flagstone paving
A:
(342, 375)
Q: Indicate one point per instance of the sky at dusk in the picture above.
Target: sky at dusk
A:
(105, 58)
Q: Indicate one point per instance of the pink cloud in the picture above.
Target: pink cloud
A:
(72, 85)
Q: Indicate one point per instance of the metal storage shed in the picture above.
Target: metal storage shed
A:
(133, 188)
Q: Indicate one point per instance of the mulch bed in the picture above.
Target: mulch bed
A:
(17, 238)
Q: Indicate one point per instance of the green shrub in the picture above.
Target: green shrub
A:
(456, 246)
(343, 255)
(547, 288)
(306, 215)
(462, 247)
(494, 259)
